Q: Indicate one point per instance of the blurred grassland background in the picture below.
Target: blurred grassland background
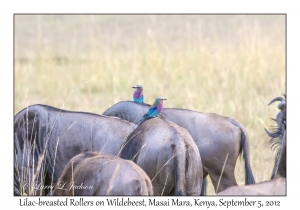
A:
(233, 65)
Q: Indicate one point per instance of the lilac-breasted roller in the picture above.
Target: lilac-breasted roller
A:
(138, 94)
(154, 109)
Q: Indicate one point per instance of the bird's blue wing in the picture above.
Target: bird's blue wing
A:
(152, 111)
(144, 118)
(150, 114)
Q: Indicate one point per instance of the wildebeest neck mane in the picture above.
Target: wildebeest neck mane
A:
(278, 145)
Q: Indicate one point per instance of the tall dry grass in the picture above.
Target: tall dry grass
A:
(231, 65)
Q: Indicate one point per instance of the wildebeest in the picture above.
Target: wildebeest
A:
(92, 173)
(278, 139)
(46, 138)
(215, 135)
(168, 155)
(277, 184)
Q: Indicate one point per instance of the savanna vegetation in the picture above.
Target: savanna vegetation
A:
(232, 65)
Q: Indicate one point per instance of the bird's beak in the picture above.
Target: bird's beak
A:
(134, 87)
(163, 99)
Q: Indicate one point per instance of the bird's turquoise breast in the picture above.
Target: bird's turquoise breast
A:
(139, 100)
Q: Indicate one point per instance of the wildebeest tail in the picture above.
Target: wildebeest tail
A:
(179, 155)
(204, 187)
(245, 151)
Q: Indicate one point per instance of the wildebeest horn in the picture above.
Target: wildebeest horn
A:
(272, 135)
(269, 134)
(281, 106)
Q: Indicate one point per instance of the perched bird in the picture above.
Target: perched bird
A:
(138, 94)
(154, 110)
